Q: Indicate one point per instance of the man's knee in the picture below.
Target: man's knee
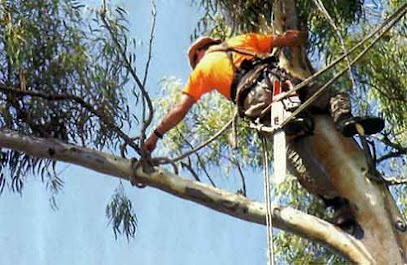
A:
(340, 106)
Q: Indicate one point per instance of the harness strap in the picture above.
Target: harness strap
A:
(240, 73)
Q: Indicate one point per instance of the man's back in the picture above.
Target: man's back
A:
(215, 71)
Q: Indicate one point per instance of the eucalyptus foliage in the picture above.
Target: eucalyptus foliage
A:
(62, 77)
(59, 48)
(121, 214)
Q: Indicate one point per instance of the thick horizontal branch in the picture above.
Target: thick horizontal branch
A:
(236, 205)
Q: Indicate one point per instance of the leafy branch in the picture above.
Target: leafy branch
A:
(121, 215)
(78, 100)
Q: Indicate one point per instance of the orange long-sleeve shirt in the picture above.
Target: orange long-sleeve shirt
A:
(215, 71)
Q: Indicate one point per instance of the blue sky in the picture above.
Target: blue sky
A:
(171, 231)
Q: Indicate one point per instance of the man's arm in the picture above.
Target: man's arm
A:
(290, 38)
(173, 117)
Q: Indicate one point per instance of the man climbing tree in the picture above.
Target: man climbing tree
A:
(223, 68)
(243, 71)
(217, 71)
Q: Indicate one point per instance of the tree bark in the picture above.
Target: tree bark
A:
(336, 165)
(236, 205)
(340, 162)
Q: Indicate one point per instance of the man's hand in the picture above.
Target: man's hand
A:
(150, 143)
(299, 35)
(290, 38)
(173, 117)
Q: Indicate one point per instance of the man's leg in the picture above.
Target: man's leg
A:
(346, 123)
(339, 106)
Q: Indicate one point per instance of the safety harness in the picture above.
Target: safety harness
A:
(250, 72)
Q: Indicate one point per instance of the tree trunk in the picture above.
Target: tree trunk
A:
(339, 161)
(337, 166)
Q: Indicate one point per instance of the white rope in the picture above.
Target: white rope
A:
(267, 195)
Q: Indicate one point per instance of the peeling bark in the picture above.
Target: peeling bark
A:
(236, 205)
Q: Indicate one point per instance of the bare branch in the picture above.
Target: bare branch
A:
(46, 96)
(242, 177)
(395, 181)
(385, 139)
(150, 46)
(146, 97)
(400, 150)
(201, 163)
(236, 205)
(210, 140)
(392, 155)
(188, 166)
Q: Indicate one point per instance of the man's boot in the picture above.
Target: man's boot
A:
(346, 123)
(344, 216)
(371, 125)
